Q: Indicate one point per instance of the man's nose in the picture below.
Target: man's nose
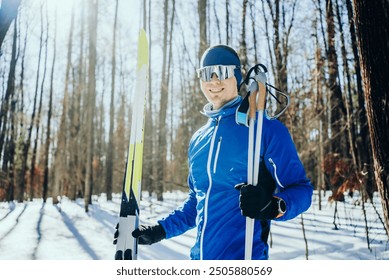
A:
(215, 78)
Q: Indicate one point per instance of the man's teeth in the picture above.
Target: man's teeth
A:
(216, 90)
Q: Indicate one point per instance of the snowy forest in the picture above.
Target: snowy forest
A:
(67, 77)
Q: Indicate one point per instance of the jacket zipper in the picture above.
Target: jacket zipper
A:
(217, 154)
(209, 187)
(275, 172)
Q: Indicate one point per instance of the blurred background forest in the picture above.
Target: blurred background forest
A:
(67, 77)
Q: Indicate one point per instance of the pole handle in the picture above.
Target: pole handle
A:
(261, 99)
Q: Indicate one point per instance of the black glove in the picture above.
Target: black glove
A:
(149, 234)
(257, 202)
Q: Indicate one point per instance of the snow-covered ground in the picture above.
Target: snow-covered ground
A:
(33, 230)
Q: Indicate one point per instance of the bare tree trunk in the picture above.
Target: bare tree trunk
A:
(49, 114)
(9, 93)
(27, 142)
(363, 141)
(202, 12)
(218, 29)
(9, 149)
(338, 110)
(60, 169)
(255, 42)
(21, 121)
(280, 39)
(121, 136)
(320, 112)
(38, 122)
(110, 151)
(92, 24)
(371, 21)
(243, 45)
(8, 12)
(161, 159)
(267, 35)
(228, 30)
(197, 100)
(148, 178)
(305, 237)
(350, 122)
(99, 142)
(76, 141)
(170, 80)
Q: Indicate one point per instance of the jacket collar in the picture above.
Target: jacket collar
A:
(228, 109)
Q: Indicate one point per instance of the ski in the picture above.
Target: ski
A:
(127, 246)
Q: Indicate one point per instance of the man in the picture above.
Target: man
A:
(218, 202)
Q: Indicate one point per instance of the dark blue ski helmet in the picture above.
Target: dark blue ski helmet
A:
(222, 55)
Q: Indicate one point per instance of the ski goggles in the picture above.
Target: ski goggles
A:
(221, 71)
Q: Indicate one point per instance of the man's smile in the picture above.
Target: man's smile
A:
(216, 90)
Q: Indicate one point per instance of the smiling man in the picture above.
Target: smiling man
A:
(220, 61)
(217, 158)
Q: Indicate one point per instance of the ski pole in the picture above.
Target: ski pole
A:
(256, 107)
(251, 113)
(251, 124)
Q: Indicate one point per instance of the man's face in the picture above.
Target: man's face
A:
(219, 92)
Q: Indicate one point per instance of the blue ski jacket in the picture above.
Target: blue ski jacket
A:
(217, 157)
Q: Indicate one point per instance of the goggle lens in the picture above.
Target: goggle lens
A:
(221, 71)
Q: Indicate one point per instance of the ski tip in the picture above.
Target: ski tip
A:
(143, 50)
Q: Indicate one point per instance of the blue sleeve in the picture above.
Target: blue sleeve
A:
(183, 218)
(287, 170)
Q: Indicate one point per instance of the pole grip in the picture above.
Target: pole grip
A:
(261, 99)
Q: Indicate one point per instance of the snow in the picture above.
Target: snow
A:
(43, 231)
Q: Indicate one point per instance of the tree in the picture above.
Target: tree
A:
(8, 104)
(27, 142)
(92, 26)
(202, 12)
(110, 156)
(243, 44)
(228, 27)
(371, 21)
(148, 162)
(195, 101)
(164, 90)
(60, 153)
(338, 110)
(39, 114)
(363, 143)
(76, 113)
(8, 12)
(281, 21)
(49, 116)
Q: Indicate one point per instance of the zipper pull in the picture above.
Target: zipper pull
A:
(275, 172)
(217, 120)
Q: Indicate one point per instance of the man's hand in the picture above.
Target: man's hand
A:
(257, 202)
(148, 235)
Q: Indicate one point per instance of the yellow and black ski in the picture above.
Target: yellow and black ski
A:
(126, 246)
